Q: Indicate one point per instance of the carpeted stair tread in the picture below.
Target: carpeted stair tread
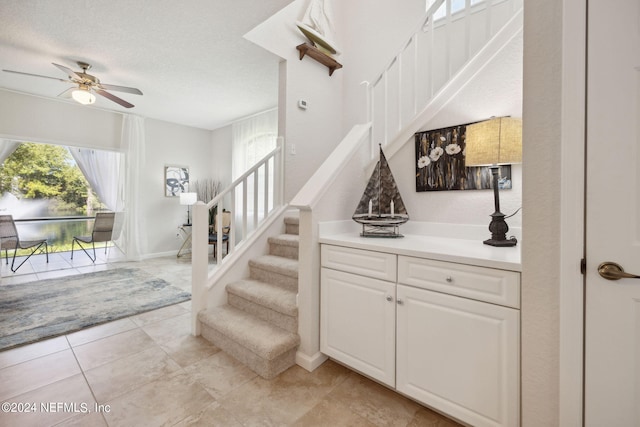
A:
(277, 264)
(259, 337)
(292, 240)
(271, 296)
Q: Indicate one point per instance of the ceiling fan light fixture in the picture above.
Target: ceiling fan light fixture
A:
(83, 96)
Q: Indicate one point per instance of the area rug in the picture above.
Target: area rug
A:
(33, 311)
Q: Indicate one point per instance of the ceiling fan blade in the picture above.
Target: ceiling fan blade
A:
(68, 70)
(114, 98)
(36, 75)
(121, 88)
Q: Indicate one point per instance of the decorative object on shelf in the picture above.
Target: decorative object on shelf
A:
(188, 199)
(176, 180)
(381, 210)
(441, 166)
(495, 142)
(317, 28)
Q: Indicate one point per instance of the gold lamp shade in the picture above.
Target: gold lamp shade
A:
(491, 143)
(496, 141)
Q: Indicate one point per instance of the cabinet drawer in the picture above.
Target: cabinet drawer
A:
(377, 265)
(479, 283)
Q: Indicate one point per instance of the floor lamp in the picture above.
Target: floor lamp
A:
(495, 142)
(188, 199)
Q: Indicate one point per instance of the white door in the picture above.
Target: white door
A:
(612, 340)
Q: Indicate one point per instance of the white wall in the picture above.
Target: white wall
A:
(26, 117)
(541, 243)
(57, 121)
(495, 91)
(372, 38)
(222, 143)
(313, 132)
(371, 33)
(170, 144)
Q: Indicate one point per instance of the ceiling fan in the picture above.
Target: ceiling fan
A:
(86, 85)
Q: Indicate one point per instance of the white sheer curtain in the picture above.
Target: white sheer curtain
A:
(102, 169)
(6, 148)
(133, 232)
(253, 138)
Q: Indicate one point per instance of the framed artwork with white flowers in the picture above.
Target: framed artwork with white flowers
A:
(440, 164)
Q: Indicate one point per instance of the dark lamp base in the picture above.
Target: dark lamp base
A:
(498, 227)
(501, 243)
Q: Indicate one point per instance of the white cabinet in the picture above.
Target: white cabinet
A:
(459, 356)
(446, 334)
(358, 323)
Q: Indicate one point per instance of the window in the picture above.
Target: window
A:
(40, 183)
(43, 180)
(254, 138)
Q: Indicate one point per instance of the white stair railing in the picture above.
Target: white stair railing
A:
(246, 217)
(451, 33)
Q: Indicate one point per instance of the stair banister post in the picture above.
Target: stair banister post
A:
(232, 232)
(279, 165)
(267, 173)
(219, 230)
(199, 263)
(256, 183)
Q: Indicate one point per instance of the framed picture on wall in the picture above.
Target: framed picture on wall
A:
(440, 163)
(176, 180)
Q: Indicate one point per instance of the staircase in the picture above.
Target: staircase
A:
(259, 324)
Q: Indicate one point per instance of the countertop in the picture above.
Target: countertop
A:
(441, 248)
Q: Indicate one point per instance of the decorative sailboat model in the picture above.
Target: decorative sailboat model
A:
(381, 210)
(317, 27)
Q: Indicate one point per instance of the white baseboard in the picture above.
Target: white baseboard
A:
(310, 363)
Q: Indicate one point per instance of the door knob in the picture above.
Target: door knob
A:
(613, 271)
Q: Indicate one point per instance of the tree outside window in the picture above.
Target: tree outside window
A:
(46, 173)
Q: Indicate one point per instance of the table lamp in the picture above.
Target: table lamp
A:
(188, 199)
(495, 142)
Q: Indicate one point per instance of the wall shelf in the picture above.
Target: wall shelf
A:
(318, 55)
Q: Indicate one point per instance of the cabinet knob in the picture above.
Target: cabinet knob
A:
(449, 279)
(389, 298)
(400, 302)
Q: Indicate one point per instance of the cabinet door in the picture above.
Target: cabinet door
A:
(459, 356)
(357, 323)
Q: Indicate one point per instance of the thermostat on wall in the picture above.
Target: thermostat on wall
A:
(302, 104)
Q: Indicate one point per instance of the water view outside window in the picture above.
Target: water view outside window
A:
(45, 191)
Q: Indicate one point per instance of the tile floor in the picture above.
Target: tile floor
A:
(147, 370)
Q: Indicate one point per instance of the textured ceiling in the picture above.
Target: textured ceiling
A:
(188, 57)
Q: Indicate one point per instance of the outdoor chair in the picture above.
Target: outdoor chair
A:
(102, 232)
(9, 239)
(226, 227)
